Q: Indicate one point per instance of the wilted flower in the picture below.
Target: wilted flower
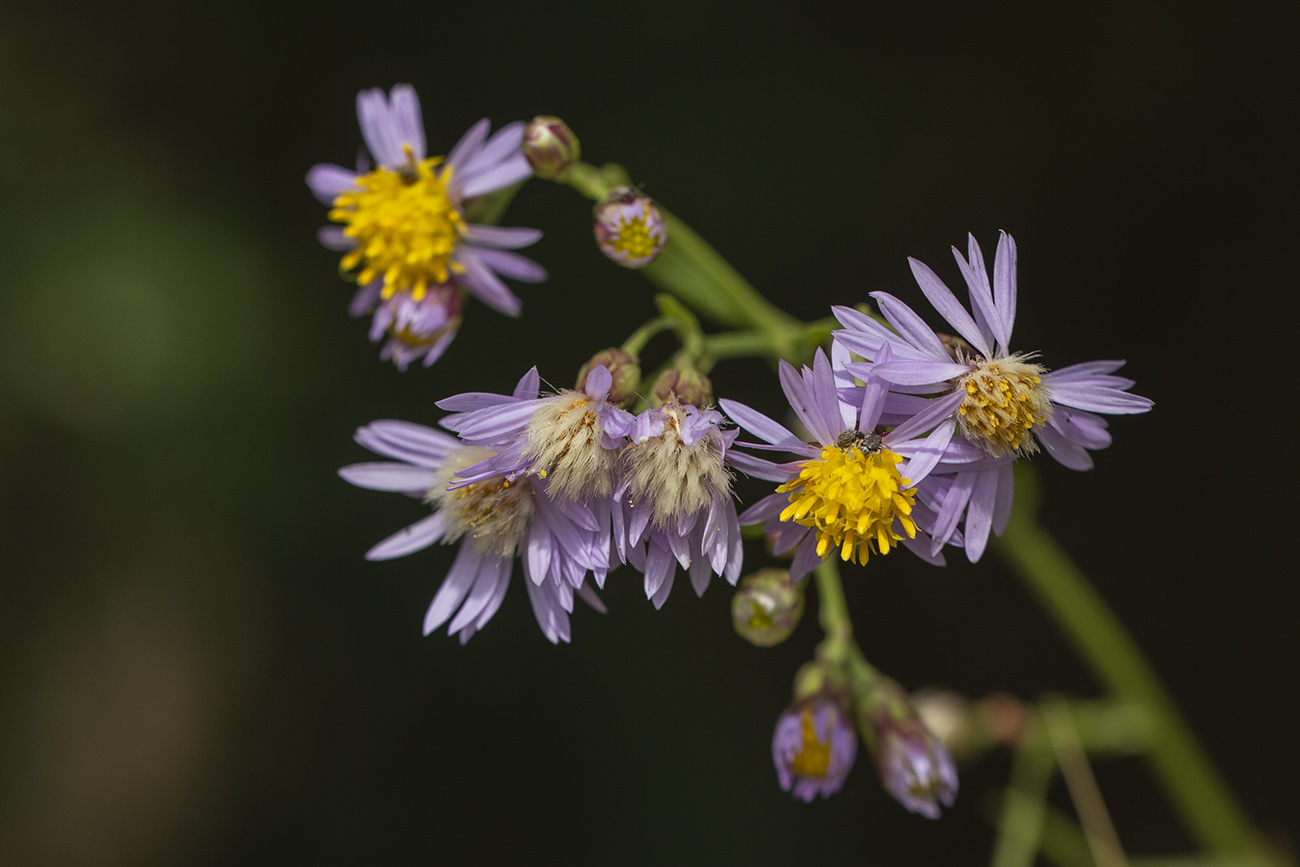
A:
(813, 748)
(570, 439)
(404, 231)
(494, 517)
(767, 607)
(629, 228)
(674, 499)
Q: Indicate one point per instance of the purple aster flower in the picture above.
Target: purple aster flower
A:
(674, 504)
(851, 489)
(494, 517)
(629, 228)
(1006, 403)
(404, 231)
(913, 764)
(813, 748)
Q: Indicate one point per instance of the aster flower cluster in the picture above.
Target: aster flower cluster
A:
(570, 484)
(896, 435)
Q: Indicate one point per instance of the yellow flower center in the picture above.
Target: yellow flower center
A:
(405, 226)
(851, 498)
(634, 237)
(815, 757)
(1005, 400)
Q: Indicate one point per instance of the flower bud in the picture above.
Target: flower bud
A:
(913, 764)
(767, 607)
(550, 147)
(683, 384)
(629, 228)
(813, 748)
(623, 367)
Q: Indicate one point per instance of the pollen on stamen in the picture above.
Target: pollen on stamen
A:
(851, 498)
(495, 513)
(405, 226)
(1005, 402)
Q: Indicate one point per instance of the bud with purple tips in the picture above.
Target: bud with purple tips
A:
(767, 607)
(683, 384)
(550, 147)
(624, 367)
(913, 764)
(813, 747)
(629, 228)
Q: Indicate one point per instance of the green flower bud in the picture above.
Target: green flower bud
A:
(684, 384)
(623, 367)
(767, 607)
(550, 147)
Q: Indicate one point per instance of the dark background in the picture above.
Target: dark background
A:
(197, 666)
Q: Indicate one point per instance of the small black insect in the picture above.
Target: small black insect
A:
(867, 443)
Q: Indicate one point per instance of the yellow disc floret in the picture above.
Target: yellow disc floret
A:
(633, 237)
(851, 498)
(405, 226)
(1005, 401)
(814, 758)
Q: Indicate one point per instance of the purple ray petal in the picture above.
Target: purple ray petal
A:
(402, 478)
(942, 299)
(407, 124)
(979, 515)
(1097, 399)
(328, 181)
(910, 326)
(406, 441)
(761, 426)
(799, 394)
(416, 537)
(976, 274)
(484, 284)
(468, 143)
(805, 558)
(1004, 286)
(454, 587)
(501, 237)
(920, 372)
(1067, 453)
(512, 171)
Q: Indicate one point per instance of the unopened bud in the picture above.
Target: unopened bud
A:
(623, 367)
(629, 228)
(913, 764)
(683, 384)
(767, 607)
(550, 147)
(813, 748)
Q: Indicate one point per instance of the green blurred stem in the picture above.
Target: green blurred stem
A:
(694, 272)
(1212, 815)
(1020, 826)
(637, 340)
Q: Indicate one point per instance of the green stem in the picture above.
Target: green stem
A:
(639, 338)
(1207, 806)
(1020, 827)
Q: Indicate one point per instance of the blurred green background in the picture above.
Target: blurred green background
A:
(197, 666)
